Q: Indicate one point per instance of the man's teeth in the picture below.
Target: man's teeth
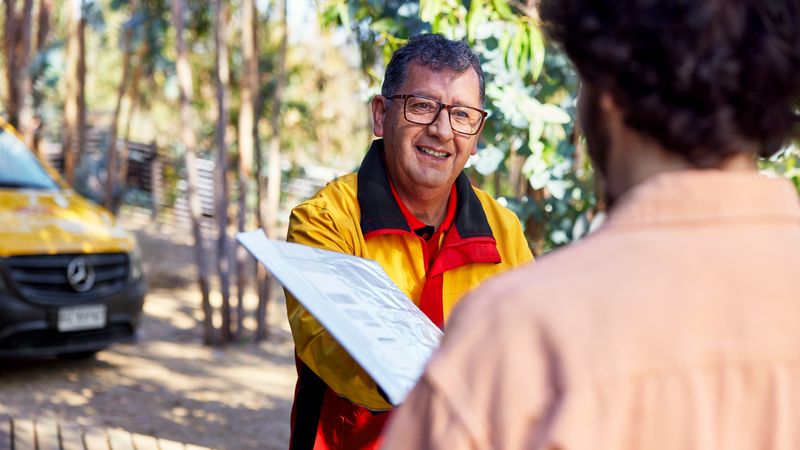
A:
(428, 151)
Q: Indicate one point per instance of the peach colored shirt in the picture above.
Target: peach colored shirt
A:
(674, 326)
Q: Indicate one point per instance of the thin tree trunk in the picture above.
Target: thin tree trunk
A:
(246, 142)
(112, 152)
(10, 43)
(263, 277)
(222, 80)
(74, 108)
(184, 72)
(517, 181)
(43, 24)
(534, 230)
(81, 125)
(24, 80)
(42, 34)
(133, 95)
(274, 177)
(18, 79)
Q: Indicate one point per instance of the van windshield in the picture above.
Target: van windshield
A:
(19, 168)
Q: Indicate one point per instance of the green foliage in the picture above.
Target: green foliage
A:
(785, 163)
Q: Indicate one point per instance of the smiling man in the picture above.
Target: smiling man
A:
(411, 208)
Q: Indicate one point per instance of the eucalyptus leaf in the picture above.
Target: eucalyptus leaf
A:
(537, 52)
(559, 237)
(487, 160)
(514, 50)
(502, 8)
(344, 14)
(385, 24)
(429, 10)
(535, 130)
(475, 17)
(536, 171)
(553, 114)
(557, 188)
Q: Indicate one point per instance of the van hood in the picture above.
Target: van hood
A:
(46, 222)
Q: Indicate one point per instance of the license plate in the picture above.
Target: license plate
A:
(84, 317)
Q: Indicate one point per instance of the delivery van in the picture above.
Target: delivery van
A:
(71, 279)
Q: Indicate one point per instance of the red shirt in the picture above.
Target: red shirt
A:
(431, 298)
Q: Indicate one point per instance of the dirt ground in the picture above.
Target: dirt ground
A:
(166, 383)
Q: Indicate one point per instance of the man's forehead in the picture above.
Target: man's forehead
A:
(457, 87)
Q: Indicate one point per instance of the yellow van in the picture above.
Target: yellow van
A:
(70, 276)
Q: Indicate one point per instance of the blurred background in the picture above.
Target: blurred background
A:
(191, 120)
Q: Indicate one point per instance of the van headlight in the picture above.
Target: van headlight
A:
(136, 262)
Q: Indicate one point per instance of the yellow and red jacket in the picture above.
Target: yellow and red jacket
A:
(337, 405)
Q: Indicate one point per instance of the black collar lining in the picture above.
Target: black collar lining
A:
(380, 211)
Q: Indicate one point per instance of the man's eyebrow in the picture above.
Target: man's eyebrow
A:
(458, 102)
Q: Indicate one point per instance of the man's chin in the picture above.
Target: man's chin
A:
(432, 181)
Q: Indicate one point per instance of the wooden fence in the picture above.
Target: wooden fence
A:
(147, 175)
(166, 194)
(48, 434)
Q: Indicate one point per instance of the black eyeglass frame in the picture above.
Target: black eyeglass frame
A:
(442, 106)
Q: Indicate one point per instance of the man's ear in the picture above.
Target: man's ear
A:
(607, 104)
(378, 114)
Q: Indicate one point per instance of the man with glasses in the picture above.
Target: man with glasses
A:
(411, 208)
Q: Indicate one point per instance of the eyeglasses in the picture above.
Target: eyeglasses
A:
(424, 111)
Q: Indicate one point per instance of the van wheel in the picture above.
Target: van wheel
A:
(77, 356)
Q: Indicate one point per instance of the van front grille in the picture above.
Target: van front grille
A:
(44, 278)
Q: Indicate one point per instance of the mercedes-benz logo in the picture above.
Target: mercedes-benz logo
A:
(80, 274)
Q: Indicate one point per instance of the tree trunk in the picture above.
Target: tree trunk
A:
(133, 95)
(184, 72)
(274, 177)
(249, 84)
(42, 34)
(535, 230)
(263, 277)
(222, 81)
(10, 44)
(18, 80)
(43, 24)
(74, 108)
(518, 181)
(81, 125)
(25, 86)
(112, 152)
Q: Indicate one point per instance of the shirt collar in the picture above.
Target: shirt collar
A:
(706, 196)
(420, 227)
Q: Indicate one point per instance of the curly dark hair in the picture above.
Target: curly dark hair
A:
(701, 77)
(436, 52)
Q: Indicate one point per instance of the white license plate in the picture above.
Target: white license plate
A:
(84, 317)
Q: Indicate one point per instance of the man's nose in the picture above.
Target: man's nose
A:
(441, 125)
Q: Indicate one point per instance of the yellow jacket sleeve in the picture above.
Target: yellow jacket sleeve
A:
(314, 226)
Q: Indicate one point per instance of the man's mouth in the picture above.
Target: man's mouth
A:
(434, 153)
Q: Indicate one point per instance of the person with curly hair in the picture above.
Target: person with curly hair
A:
(676, 325)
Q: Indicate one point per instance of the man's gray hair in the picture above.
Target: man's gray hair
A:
(435, 52)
